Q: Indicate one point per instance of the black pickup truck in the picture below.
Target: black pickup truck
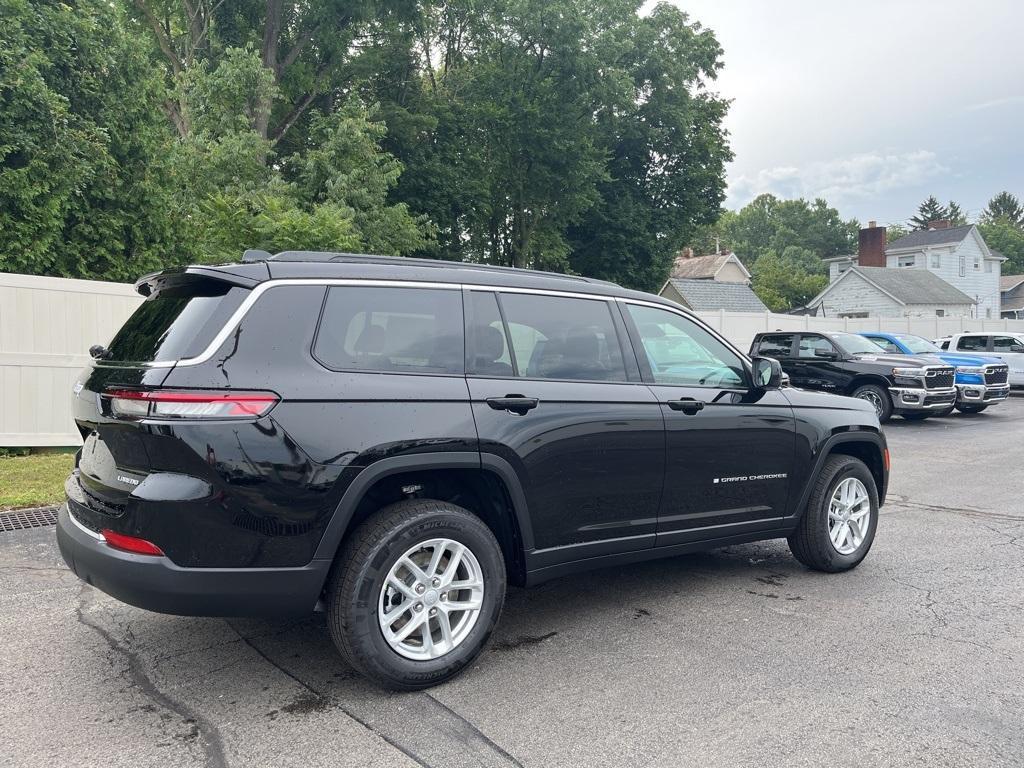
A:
(914, 387)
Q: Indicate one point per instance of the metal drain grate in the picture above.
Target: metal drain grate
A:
(20, 519)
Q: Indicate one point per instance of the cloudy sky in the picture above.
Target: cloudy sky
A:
(875, 104)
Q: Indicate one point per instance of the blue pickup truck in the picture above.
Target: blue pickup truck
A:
(980, 381)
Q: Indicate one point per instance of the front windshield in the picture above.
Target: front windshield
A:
(852, 344)
(917, 345)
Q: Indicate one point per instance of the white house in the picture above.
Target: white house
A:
(884, 292)
(958, 255)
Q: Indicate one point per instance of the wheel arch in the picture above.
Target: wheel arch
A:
(486, 486)
(868, 378)
(866, 445)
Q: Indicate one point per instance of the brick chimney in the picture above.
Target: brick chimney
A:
(939, 224)
(871, 246)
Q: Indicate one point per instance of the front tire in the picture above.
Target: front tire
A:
(878, 398)
(838, 526)
(415, 594)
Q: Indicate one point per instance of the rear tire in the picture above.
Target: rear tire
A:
(971, 408)
(363, 589)
(813, 542)
(878, 397)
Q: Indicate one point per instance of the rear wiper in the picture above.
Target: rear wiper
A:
(99, 352)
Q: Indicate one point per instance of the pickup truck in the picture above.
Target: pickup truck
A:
(1007, 346)
(981, 381)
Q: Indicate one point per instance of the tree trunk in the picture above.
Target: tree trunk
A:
(271, 37)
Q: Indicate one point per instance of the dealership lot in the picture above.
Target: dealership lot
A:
(738, 656)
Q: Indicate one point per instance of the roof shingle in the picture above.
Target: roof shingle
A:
(707, 295)
(913, 286)
(925, 237)
(697, 267)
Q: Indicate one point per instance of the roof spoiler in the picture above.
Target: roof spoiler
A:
(149, 284)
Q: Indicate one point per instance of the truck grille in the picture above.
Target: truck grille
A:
(996, 374)
(939, 378)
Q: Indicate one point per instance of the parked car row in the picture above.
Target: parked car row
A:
(899, 373)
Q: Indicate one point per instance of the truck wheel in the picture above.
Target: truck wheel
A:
(971, 408)
(415, 593)
(878, 397)
(838, 526)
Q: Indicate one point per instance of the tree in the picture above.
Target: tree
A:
(770, 224)
(787, 280)
(955, 215)
(83, 177)
(333, 196)
(1001, 235)
(930, 210)
(571, 135)
(1004, 206)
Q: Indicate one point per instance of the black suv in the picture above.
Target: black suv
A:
(394, 439)
(910, 386)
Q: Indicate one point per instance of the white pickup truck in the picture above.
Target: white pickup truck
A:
(1008, 346)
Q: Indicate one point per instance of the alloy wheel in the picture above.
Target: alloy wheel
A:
(431, 599)
(875, 399)
(849, 514)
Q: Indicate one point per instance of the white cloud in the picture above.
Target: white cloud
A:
(841, 180)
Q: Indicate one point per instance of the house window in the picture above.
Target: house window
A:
(977, 263)
(963, 265)
(907, 261)
(988, 266)
(853, 314)
(936, 261)
(988, 313)
(940, 313)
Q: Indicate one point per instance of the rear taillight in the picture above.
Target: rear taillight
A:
(130, 543)
(168, 404)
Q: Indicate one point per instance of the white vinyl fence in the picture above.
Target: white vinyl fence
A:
(740, 327)
(47, 325)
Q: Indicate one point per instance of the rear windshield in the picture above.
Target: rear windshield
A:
(176, 323)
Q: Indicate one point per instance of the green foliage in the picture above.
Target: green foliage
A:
(790, 279)
(930, 210)
(955, 215)
(770, 224)
(1003, 236)
(1004, 206)
(83, 185)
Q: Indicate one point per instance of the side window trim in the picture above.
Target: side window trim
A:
(512, 356)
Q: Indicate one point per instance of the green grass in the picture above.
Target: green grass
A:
(33, 481)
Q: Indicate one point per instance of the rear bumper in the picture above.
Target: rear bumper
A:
(157, 584)
(907, 399)
(981, 394)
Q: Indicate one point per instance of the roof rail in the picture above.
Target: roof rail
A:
(355, 258)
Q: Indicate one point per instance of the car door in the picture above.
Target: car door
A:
(556, 399)
(729, 448)
(819, 364)
(1011, 350)
(779, 346)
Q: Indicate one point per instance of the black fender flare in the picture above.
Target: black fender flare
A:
(876, 379)
(419, 462)
(825, 450)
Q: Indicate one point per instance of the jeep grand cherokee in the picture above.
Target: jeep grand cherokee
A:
(394, 439)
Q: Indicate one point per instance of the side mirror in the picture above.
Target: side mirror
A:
(826, 354)
(767, 373)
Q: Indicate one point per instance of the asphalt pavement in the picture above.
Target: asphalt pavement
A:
(734, 657)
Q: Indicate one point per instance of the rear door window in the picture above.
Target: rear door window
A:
(556, 337)
(972, 343)
(810, 346)
(403, 330)
(176, 323)
(776, 345)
